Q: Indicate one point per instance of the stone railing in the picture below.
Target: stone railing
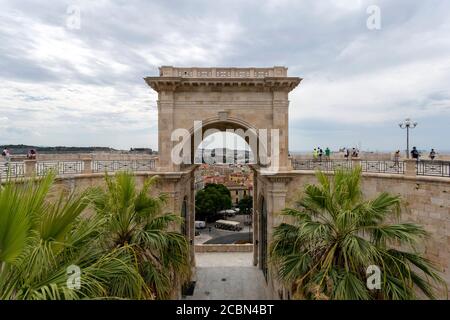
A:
(246, 247)
(223, 72)
(29, 168)
(406, 167)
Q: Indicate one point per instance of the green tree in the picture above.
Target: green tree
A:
(41, 239)
(212, 199)
(245, 204)
(134, 221)
(334, 235)
(125, 249)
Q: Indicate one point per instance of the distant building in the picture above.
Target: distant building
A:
(237, 178)
(239, 191)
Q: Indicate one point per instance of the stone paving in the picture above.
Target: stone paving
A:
(228, 276)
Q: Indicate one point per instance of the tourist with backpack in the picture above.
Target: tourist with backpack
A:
(415, 153)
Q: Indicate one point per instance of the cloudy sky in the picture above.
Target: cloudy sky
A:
(64, 85)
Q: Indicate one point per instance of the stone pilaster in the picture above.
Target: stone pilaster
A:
(30, 168)
(87, 165)
(410, 167)
(356, 162)
(280, 104)
(165, 129)
(276, 201)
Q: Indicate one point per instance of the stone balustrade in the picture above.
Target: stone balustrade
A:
(276, 72)
(246, 247)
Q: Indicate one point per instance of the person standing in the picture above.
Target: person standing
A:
(432, 154)
(415, 153)
(327, 153)
(320, 154)
(7, 155)
(315, 154)
(396, 158)
(347, 153)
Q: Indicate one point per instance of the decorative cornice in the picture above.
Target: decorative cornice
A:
(181, 83)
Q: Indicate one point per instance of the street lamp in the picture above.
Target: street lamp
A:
(407, 124)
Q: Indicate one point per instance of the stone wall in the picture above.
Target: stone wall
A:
(224, 247)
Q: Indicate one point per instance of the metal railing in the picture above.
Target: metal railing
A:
(30, 168)
(397, 167)
(123, 165)
(383, 166)
(12, 170)
(60, 167)
(433, 168)
(325, 165)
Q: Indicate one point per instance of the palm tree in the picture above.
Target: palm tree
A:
(40, 240)
(135, 220)
(334, 235)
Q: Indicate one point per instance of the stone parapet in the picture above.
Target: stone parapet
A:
(410, 167)
(224, 247)
(233, 72)
(30, 168)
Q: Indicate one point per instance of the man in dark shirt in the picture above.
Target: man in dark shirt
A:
(415, 153)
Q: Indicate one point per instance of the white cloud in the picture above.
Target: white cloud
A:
(377, 96)
(85, 87)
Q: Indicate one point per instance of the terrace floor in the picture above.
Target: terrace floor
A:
(228, 276)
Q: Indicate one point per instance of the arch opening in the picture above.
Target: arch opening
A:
(234, 135)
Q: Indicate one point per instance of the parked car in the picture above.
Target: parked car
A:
(228, 212)
(228, 225)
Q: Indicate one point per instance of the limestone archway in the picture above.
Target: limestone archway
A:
(254, 99)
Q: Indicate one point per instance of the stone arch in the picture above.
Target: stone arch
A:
(223, 125)
(226, 97)
(246, 97)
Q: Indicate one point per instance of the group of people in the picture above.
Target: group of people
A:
(318, 153)
(6, 154)
(415, 154)
(354, 153)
